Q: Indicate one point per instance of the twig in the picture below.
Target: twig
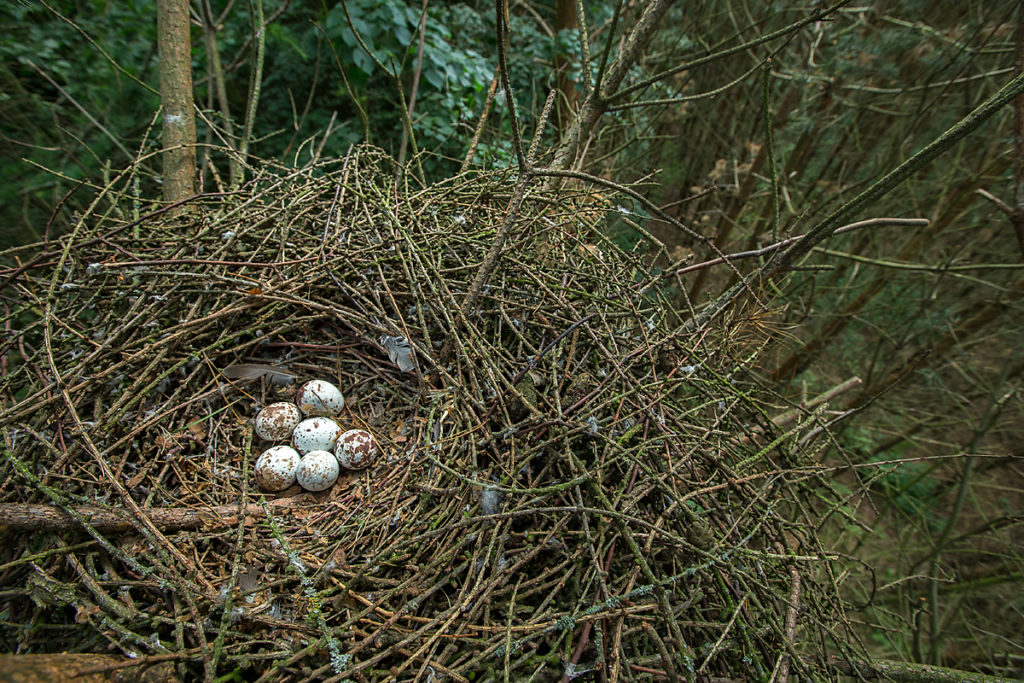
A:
(666, 658)
(481, 123)
(217, 74)
(255, 85)
(501, 13)
(417, 71)
(814, 16)
(769, 142)
(999, 203)
(781, 244)
(85, 112)
(791, 612)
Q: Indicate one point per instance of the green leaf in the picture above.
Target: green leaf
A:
(281, 33)
(403, 35)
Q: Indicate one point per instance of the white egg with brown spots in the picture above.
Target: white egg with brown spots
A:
(319, 398)
(275, 468)
(356, 449)
(317, 471)
(315, 434)
(277, 421)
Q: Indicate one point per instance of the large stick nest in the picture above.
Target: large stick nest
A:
(570, 482)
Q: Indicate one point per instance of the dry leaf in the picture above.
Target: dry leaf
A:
(83, 613)
(198, 430)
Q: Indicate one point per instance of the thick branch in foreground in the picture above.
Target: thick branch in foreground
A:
(83, 668)
(174, 44)
(908, 672)
(31, 517)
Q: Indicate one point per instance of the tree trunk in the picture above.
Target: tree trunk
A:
(174, 45)
(565, 20)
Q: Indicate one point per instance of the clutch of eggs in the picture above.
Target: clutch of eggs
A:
(319, 448)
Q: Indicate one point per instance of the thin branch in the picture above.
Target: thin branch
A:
(417, 72)
(596, 103)
(217, 74)
(960, 130)
(363, 118)
(999, 203)
(908, 672)
(770, 147)
(608, 46)
(255, 84)
(103, 52)
(506, 84)
(85, 112)
(475, 142)
(581, 18)
(818, 15)
(707, 94)
(1017, 215)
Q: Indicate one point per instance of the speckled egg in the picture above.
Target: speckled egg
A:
(318, 470)
(319, 398)
(277, 421)
(356, 449)
(315, 434)
(275, 468)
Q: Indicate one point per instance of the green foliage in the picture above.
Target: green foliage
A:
(457, 66)
(48, 126)
(305, 47)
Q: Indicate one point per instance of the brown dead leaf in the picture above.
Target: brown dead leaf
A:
(719, 171)
(83, 613)
(346, 480)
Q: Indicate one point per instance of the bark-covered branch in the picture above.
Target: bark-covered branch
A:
(33, 517)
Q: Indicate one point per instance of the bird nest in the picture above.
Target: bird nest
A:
(571, 482)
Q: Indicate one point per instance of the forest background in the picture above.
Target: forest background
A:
(774, 123)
